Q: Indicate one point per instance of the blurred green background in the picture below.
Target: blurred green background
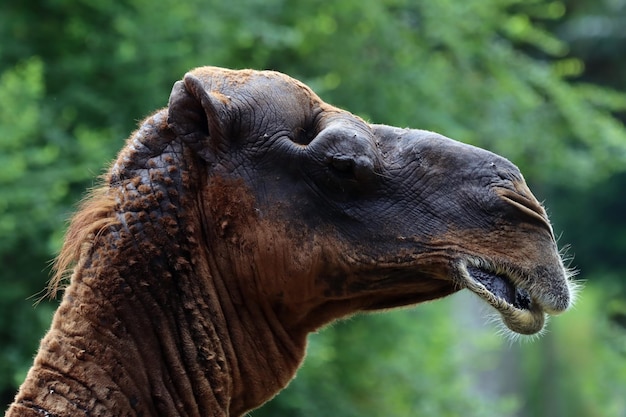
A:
(540, 82)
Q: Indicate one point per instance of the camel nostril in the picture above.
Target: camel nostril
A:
(526, 204)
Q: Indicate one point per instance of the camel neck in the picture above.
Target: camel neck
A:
(156, 332)
(125, 344)
(264, 356)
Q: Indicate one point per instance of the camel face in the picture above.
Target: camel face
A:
(351, 216)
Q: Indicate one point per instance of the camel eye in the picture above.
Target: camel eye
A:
(304, 135)
(342, 164)
(352, 169)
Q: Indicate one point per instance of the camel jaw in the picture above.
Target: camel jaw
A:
(520, 312)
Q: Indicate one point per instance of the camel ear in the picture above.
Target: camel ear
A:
(198, 117)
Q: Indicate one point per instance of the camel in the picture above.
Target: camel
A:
(249, 213)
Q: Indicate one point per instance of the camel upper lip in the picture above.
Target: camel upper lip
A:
(500, 288)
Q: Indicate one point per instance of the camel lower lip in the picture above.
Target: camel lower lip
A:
(516, 307)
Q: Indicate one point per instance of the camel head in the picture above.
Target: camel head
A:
(249, 213)
(325, 214)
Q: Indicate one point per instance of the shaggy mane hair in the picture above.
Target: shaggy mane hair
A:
(95, 214)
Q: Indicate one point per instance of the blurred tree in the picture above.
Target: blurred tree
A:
(585, 360)
(579, 370)
(26, 197)
(593, 217)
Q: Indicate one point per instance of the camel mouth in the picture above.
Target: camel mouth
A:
(501, 289)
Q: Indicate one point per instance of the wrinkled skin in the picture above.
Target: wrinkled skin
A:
(249, 213)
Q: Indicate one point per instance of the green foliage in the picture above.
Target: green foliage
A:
(19, 126)
(584, 356)
(21, 198)
(76, 75)
(592, 218)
